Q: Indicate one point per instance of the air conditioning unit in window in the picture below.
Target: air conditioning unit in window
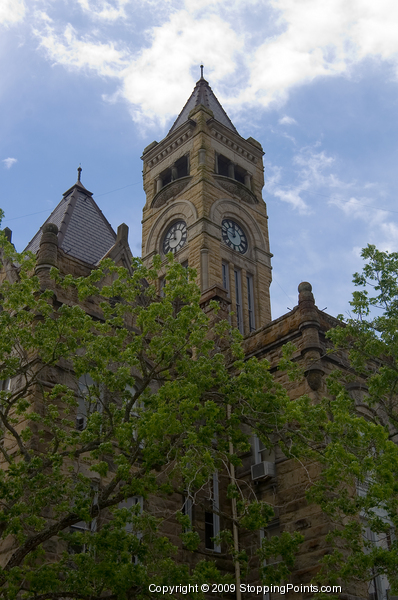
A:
(263, 470)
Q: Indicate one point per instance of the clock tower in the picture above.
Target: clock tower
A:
(203, 185)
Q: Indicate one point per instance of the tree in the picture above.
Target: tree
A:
(99, 412)
(354, 433)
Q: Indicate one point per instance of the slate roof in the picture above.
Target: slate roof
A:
(203, 94)
(83, 231)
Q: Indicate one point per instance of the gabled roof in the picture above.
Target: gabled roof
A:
(83, 231)
(203, 94)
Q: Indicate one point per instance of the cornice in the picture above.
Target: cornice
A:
(235, 142)
(159, 152)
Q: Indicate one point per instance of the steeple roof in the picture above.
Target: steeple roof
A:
(83, 231)
(203, 94)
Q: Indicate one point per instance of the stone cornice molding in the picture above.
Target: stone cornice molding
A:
(162, 150)
(235, 142)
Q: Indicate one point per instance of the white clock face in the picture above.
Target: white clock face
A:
(175, 237)
(233, 235)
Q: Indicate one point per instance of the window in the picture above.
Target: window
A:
(272, 530)
(238, 300)
(250, 301)
(225, 276)
(179, 169)
(185, 265)
(83, 527)
(162, 283)
(261, 453)
(4, 385)
(379, 585)
(222, 165)
(130, 503)
(266, 595)
(212, 518)
(89, 401)
(226, 168)
(240, 174)
(77, 547)
(138, 407)
(187, 509)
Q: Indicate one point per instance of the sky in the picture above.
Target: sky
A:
(93, 82)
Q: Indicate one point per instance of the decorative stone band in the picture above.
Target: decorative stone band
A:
(236, 189)
(227, 142)
(170, 148)
(171, 190)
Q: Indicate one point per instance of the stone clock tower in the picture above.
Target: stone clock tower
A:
(203, 186)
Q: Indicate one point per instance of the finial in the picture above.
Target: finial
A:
(201, 72)
(79, 170)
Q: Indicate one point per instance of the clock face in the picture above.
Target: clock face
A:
(233, 236)
(175, 237)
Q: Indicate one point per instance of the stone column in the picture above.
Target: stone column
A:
(309, 326)
(204, 267)
(47, 256)
(202, 156)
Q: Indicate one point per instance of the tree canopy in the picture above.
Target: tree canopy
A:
(353, 433)
(102, 412)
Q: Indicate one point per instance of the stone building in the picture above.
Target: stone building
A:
(203, 185)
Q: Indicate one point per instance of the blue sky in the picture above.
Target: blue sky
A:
(95, 81)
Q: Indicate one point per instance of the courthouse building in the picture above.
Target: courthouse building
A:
(203, 185)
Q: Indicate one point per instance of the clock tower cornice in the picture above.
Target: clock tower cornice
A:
(155, 154)
(246, 148)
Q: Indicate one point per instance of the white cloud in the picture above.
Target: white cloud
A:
(68, 50)
(9, 162)
(310, 178)
(255, 52)
(381, 230)
(286, 193)
(287, 121)
(159, 80)
(354, 208)
(320, 39)
(107, 11)
(11, 11)
(388, 237)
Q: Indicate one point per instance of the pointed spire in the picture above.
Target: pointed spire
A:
(79, 170)
(203, 94)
